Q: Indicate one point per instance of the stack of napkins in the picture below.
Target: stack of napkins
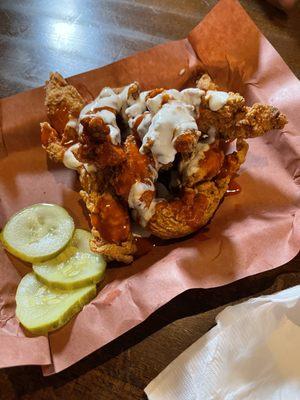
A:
(252, 353)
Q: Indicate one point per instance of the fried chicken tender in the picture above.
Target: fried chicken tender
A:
(112, 237)
(197, 205)
(137, 167)
(96, 145)
(62, 101)
(235, 120)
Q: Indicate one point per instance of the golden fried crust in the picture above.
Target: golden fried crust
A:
(180, 217)
(186, 142)
(258, 120)
(207, 168)
(91, 199)
(62, 101)
(55, 152)
(110, 251)
(235, 120)
(206, 83)
(122, 252)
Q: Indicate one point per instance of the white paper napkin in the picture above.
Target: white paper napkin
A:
(252, 353)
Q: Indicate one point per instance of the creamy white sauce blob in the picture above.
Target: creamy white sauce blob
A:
(155, 103)
(173, 119)
(143, 127)
(69, 160)
(144, 213)
(216, 99)
(211, 135)
(192, 96)
(72, 123)
(137, 107)
(107, 98)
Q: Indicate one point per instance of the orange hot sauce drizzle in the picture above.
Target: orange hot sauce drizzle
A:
(113, 230)
(233, 188)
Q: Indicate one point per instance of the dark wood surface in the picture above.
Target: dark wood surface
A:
(72, 36)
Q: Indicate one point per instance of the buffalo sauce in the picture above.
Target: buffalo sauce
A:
(112, 220)
(233, 188)
(135, 168)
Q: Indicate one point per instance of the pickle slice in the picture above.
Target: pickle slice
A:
(38, 232)
(41, 309)
(75, 267)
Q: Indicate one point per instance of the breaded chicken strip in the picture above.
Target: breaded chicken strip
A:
(63, 102)
(235, 120)
(197, 205)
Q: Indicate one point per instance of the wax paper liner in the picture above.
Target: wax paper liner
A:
(255, 231)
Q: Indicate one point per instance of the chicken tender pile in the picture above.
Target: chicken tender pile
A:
(156, 158)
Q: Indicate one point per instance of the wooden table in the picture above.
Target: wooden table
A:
(73, 36)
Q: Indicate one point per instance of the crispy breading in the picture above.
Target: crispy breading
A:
(111, 251)
(206, 83)
(197, 205)
(235, 120)
(62, 101)
(186, 142)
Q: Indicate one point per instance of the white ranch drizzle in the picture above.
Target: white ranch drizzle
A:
(144, 126)
(107, 98)
(212, 131)
(158, 130)
(138, 107)
(69, 160)
(190, 96)
(173, 119)
(72, 123)
(161, 125)
(216, 99)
